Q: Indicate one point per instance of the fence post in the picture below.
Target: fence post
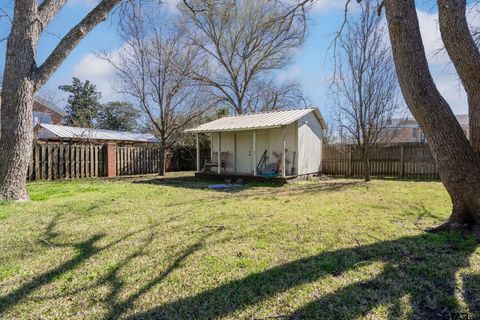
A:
(350, 161)
(110, 152)
(402, 161)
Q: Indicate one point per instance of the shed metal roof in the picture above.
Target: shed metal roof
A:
(51, 131)
(264, 120)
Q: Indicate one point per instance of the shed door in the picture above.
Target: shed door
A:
(243, 152)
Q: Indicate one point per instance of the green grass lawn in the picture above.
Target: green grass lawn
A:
(172, 249)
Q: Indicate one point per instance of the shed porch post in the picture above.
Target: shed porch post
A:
(219, 165)
(198, 154)
(254, 155)
(211, 146)
(235, 152)
(284, 169)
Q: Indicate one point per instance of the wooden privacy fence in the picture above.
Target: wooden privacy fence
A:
(59, 161)
(132, 160)
(406, 160)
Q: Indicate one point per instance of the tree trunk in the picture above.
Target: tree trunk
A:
(161, 168)
(458, 164)
(366, 168)
(18, 92)
(22, 79)
(465, 56)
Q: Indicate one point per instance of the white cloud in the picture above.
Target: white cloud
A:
(323, 6)
(442, 69)
(292, 73)
(452, 90)
(99, 72)
(172, 5)
(432, 40)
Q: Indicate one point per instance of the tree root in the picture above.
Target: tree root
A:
(446, 226)
(449, 225)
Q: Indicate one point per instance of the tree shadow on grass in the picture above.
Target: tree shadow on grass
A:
(116, 306)
(251, 188)
(196, 184)
(299, 189)
(420, 270)
(471, 292)
(85, 250)
(189, 182)
(88, 249)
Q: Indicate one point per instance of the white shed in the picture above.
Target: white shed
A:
(287, 141)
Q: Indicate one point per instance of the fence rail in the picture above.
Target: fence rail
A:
(406, 160)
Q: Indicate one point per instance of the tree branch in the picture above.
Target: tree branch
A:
(48, 9)
(72, 38)
(5, 14)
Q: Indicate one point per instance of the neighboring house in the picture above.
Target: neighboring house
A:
(408, 130)
(287, 141)
(46, 112)
(66, 134)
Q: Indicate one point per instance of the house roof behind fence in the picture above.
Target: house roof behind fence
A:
(412, 123)
(264, 120)
(51, 131)
(50, 105)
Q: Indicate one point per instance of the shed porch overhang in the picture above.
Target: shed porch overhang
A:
(218, 166)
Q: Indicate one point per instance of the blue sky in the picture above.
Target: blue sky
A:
(311, 64)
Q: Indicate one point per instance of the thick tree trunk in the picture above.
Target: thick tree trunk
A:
(458, 164)
(465, 56)
(22, 78)
(18, 92)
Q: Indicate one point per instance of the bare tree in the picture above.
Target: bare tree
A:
(155, 68)
(270, 95)
(244, 41)
(457, 161)
(364, 89)
(23, 77)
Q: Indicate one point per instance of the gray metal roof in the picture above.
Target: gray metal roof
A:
(264, 120)
(51, 131)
